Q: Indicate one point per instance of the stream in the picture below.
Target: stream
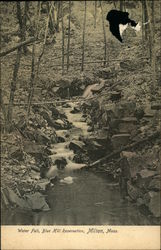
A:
(79, 197)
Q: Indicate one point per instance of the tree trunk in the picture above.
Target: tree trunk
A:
(13, 87)
(95, 13)
(3, 110)
(68, 46)
(83, 39)
(58, 15)
(22, 22)
(121, 5)
(62, 21)
(152, 44)
(104, 35)
(31, 91)
(143, 20)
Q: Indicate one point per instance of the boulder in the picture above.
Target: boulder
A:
(60, 162)
(16, 153)
(42, 185)
(120, 140)
(155, 185)
(105, 73)
(13, 199)
(41, 137)
(35, 149)
(130, 164)
(156, 106)
(127, 124)
(75, 110)
(47, 117)
(76, 146)
(152, 200)
(133, 191)
(115, 95)
(37, 202)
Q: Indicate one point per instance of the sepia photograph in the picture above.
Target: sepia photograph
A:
(80, 113)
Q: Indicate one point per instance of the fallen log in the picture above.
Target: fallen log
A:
(4, 53)
(117, 152)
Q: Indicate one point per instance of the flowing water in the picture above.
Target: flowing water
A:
(81, 197)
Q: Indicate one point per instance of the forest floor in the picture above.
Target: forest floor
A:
(120, 111)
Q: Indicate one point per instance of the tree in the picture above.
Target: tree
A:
(62, 21)
(83, 38)
(68, 45)
(104, 35)
(22, 19)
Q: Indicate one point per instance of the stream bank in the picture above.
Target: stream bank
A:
(71, 191)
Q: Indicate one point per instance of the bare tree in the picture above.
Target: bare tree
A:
(68, 46)
(13, 87)
(152, 42)
(62, 22)
(104, 35)
(22, 22)
(83, 39)
(95, 13)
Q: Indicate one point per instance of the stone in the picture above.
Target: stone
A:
(41, 137)
(47, 117)
(156, 106)
(153, 202)
(155, 185)
(127, 124)
(60, 139)
(145, 173)
(131, 163)
(35, 149)
(75, 110)
(14, 199)
(37, 202)
(60, 162)
(133, 191)
(120, 140)
(42, 185)
(90, 129)
(16, 153)
(115, 95)
(76, 145)
(105, 73)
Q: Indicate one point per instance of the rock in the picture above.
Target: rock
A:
(60, 139)
(54, 180)
(75, 110)
(115, 96)
(133, 191)
(105, 73)
(90, 129)
(154, 185)
(67, 180)
(16, 153)
(41, 137)
(130, 163)
(37, 202)
(76, 146)
(47, 117)
(42, 185)
(120, 140)
(127, 124)
(35, 150)
(156, 106)
(60, 162)
(145, 173)
(13, 199)
(152, 200)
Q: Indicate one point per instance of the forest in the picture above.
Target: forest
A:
(80, 114)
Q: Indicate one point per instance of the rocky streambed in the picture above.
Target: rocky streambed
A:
(66, 190)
